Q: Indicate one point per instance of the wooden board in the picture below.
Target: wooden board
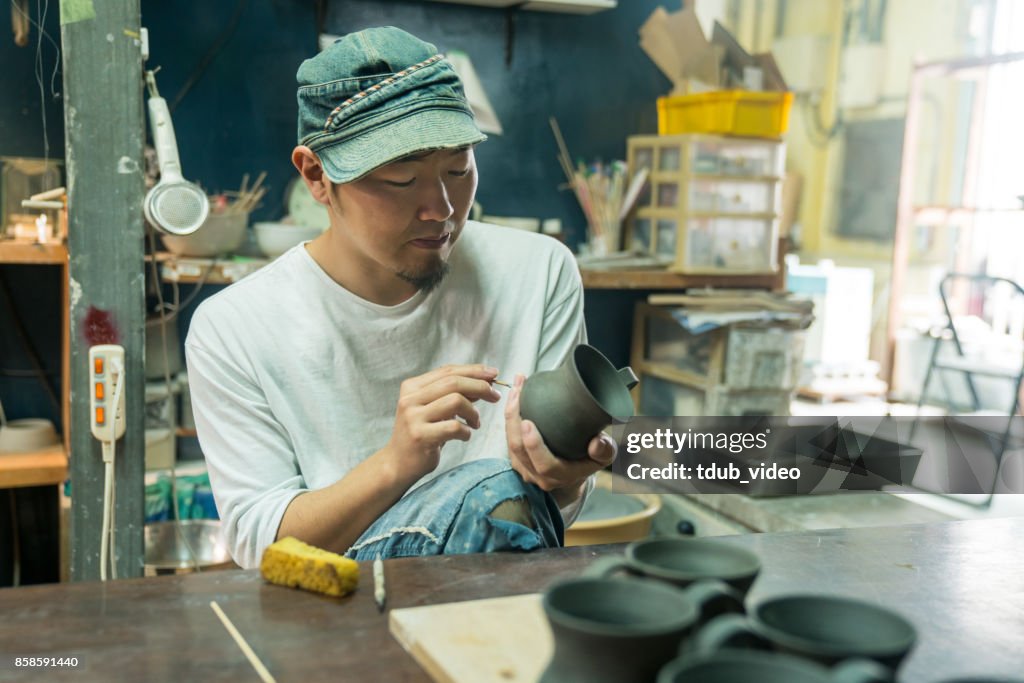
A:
(36, 468)
(33, 254)
(498, 640)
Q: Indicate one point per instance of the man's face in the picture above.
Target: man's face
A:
(401, 221)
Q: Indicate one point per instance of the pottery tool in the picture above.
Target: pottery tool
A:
(501, 383)
(379, 593)
(261, 670)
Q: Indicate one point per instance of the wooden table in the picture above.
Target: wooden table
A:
(960, 583)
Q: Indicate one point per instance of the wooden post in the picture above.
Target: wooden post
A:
(104, 132)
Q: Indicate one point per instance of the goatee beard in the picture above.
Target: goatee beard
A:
(426, 282)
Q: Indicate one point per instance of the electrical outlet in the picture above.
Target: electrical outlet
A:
(106, 370)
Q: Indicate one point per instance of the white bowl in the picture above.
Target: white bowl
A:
(276, 238)
(221, 233)
(30, 434)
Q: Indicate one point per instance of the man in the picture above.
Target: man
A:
(344, 394)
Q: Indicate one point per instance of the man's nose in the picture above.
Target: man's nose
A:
(435, 205)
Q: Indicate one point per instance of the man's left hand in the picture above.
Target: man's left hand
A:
(530, 457)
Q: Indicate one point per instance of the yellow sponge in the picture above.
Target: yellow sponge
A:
(290, 562)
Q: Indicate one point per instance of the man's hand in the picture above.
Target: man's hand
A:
(536, 464)
(433, 409)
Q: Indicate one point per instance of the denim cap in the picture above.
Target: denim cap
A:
(376, 96)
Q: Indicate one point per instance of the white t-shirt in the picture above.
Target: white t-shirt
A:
(295, 380)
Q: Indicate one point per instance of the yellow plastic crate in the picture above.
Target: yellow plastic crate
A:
(726, 112)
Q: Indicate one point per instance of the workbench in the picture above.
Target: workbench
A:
(960, 583)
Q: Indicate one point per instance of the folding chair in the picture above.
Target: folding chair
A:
(971, 368)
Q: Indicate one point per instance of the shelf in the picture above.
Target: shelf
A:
(672, 374)
(662, 279)
(938, 215)
(36, 468)
(566, 6)
(717, 177)
(193, 270)
(31, 253)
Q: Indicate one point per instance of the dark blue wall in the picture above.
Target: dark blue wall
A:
(587, 71)
(239, 117)
(34, 290)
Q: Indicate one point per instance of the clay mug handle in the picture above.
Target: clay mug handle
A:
(607, 566)
(861, 671)
(729, 631)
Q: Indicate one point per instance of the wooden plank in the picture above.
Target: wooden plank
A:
(35, 468)
(661, 279)
(498, 640)
(104, 135)
(29, 253)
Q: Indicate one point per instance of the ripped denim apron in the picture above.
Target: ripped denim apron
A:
(481, 506)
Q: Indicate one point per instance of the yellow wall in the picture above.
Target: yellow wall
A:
(914, 30)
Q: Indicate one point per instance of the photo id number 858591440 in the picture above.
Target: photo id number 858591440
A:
(37, 662)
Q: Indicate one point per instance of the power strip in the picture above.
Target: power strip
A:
(106, 366)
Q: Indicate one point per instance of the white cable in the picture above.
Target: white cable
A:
(113, 525)
(108, 480)
(109, 450)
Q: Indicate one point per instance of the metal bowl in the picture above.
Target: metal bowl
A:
(220, 233)
(166, 551)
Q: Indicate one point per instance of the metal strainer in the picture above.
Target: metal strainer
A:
(173, 205)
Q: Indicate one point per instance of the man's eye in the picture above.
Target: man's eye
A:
(459, 173)
(399, 183)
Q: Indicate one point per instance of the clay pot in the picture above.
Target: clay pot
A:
(824, 628)
(612, 630)
(684, 561)
(572, 403)
(768, 667)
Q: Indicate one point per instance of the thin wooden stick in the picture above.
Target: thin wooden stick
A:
(264, 675)
(563, 150)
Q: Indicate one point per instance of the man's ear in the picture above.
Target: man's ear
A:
(307, 163)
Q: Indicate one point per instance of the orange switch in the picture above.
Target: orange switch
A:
(97, 365)
(99, 391)
(101, 416)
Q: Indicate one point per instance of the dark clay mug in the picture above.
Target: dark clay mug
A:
(826, 629)
(616, 630)
(739, 666)
(572, 403)
(683, 561)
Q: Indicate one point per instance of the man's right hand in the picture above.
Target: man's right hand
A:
(427, 416)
